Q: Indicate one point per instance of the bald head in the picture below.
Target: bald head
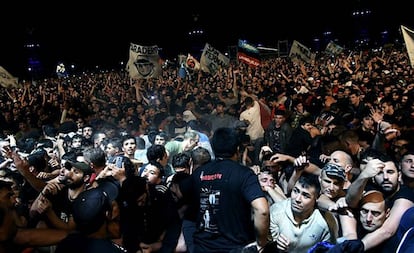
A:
(342, 159)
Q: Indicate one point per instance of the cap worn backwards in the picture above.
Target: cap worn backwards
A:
(333, 170)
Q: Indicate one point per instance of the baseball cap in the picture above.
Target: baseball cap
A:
(333, 170)
(81, 166)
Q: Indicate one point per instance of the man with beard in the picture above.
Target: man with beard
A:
(14, 238)
(400, 197)
(56, 198)
(400, 202)
(380, 173)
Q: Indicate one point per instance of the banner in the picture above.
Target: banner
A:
(248, 54)
(7, 80)
(408, 35)
(212, 60)
(144, 62)
(333, 49)
(61, 70)
(248, 48)
(299, 52)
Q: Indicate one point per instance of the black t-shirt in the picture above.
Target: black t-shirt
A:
(407, 193)
(144, 223)
(224, 190)
(62, 205)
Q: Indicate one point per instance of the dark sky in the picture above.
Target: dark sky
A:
(100, 34)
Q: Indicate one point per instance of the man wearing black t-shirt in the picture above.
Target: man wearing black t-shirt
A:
(226, 192)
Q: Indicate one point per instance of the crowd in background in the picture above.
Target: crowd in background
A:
(347, 119)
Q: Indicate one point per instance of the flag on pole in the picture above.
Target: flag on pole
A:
(408, 35)
(144, 62)
(7, 80)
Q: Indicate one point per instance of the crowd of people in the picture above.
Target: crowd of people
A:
(287, 156)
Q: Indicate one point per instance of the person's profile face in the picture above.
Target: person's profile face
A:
(407, 164)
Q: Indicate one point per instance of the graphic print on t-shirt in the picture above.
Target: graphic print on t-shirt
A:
(209, 203)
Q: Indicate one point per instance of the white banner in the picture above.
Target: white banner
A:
(212, 60)
(299, 52)
(144, 62)
(333, 48)
(408, 35)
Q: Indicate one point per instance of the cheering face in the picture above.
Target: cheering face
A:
(372, 215)
(152, 174)
(64, 170)
(129, 147)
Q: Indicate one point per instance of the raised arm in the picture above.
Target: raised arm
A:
(356, 189)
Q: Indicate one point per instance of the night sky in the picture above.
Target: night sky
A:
(87, 35)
